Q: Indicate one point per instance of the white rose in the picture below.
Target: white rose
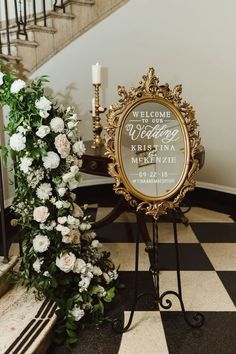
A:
(62, 145)
(62, 191)
(41, 243)
(37, 265)
(66, 262)
(40, 214)
(44, 191)
(17, 85)
(77, 313)
(57, 125)
(62, 220)
(1, 78)
(51, 160)
(43, 131)
(79, 148)
(25, 163)
(17, 142)
(71, 125)
(43, 104)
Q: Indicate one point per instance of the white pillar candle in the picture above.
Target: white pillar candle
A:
(93, 107)
(96, 73)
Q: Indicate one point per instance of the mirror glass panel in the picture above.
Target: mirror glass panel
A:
(152, 149)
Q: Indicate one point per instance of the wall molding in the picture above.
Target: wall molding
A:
(216, 187)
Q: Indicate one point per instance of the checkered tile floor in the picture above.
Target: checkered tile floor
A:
(208, 271)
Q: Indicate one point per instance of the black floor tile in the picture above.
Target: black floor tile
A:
(118, 232)
(215, 232)
(93, 340)
(145, 284)
(216, 336)
(192, 257)
(229, 281)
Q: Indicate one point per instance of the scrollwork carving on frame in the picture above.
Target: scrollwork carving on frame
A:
(149, 88)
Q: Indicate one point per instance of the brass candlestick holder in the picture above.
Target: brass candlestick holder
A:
(97, 126)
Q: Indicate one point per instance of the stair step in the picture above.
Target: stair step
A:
(4, 269)
(26, 322)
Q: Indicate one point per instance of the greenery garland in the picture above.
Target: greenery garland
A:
(61, 257)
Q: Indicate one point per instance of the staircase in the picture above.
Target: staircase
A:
(32, 39)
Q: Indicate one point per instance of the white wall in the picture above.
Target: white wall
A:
(187, 41)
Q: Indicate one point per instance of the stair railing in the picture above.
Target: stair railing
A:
(22, 13)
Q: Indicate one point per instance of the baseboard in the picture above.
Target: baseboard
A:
(216, 187)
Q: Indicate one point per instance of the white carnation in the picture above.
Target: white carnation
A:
(17, 85)
(17, 142)
(25, 163)
(1, 78)
(43, 131)
(79, 148)
(66, 262)
(77, 313)
(51, 160)
(44, 191)
(41, 243)
(43, 104)
(57, 125)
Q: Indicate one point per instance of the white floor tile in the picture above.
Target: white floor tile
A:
(202, 291)
(123, 254)
(146, 335)
(124, 217)
(206, 215)
(221, 255)
(165, 233)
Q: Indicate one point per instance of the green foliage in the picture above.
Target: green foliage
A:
(60, 259)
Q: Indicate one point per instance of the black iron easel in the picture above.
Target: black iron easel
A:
(152, 249)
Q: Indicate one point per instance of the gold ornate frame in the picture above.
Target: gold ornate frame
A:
(150, 90)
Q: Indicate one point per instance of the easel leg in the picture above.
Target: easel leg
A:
(198, 318)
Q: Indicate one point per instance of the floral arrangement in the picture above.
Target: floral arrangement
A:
(61, 257)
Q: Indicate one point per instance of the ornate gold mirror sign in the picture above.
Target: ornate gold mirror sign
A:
(153, 142)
